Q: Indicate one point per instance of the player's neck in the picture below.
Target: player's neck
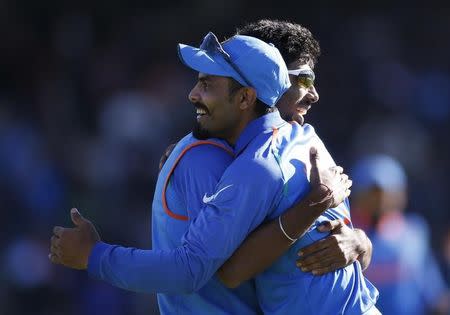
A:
(240, 126)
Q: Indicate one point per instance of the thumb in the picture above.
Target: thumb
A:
(329, 226)
(313, 157)
(314, 176)
(76, 217)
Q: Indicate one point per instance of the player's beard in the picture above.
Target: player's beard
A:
(200, 133)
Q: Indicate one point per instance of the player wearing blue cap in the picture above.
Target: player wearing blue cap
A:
(264, 157)
(403, 266)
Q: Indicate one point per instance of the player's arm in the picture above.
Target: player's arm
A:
(261, 248)
(212, 237)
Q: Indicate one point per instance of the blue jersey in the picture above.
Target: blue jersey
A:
(283, 287)
(190, 173)
(403, 267)
(268, 175)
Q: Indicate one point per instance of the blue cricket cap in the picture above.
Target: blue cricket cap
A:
(248, 60)
(380, 171)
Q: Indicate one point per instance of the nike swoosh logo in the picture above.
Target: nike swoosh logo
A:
(207, 199)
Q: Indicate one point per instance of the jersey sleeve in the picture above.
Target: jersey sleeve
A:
(241, 201)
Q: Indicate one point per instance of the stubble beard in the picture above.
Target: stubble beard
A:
(200, 133)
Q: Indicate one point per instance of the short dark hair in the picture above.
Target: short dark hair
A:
(294, 41)
(260, 107)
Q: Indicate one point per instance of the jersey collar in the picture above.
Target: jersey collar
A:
(264, 124)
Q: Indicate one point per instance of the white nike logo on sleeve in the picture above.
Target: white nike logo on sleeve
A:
(207, 199)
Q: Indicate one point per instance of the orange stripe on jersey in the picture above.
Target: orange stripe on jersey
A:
(346, 215)
(347, 221)
(166, 183)
(274, 134)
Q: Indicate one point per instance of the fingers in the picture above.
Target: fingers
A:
(162, 160)
(320, 245)
(347, 193)
(326, 263)
(326, 269)
(58, 230)
(54, 249)
(344, 177)
(343, 191)
(314, 258)
(166, 154)
(54, 258)
(329, 226)
(298, 118)
(337, 169)
(349, 184)
(55, 241)
(326, 260)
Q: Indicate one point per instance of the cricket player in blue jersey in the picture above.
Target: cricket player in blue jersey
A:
(266, 164)
(403, 267)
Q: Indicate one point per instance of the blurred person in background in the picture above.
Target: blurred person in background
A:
(403, 267)
(445, 255)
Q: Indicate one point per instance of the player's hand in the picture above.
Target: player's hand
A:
(329, 186)
(166, 154)
(338, 250)
(71, 247)
(297, 117)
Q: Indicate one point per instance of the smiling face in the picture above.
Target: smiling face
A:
(218, 111)
(296, 102)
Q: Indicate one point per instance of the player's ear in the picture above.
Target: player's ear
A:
(247, 98)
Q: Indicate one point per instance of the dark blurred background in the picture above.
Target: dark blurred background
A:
(91, 93)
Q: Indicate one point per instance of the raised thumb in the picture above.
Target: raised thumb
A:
(313, 157)
(76, 217)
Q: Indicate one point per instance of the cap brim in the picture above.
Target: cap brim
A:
(200, 61)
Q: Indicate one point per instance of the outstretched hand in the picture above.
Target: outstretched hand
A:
(71, 247)
(329, 186)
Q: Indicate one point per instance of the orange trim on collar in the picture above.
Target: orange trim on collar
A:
(274, 134)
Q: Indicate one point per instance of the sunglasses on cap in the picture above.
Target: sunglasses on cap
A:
(305, 77)
(212, 45)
